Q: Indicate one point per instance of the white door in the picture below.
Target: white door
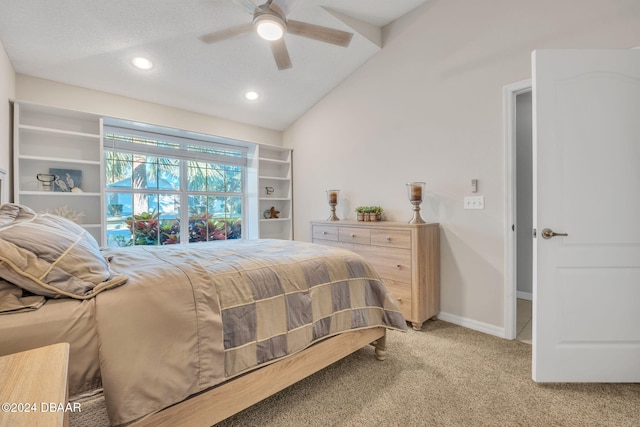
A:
(586, 154)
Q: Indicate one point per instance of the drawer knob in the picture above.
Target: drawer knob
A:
(324, 232)
(399, 265)
(388, 238)
(353, 235)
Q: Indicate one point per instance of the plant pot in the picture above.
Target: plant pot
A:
(360, 216)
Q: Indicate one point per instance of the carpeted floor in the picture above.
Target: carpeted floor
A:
(445, 375)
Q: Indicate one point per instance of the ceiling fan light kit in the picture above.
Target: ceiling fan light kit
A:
(270, 22)
(270, 27)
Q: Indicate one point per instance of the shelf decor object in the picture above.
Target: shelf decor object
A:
(45, 180)
(65, 212)
(415, 190)
(66, 180)
(332, 198)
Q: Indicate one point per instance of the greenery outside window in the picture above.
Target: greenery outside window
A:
(163, 189)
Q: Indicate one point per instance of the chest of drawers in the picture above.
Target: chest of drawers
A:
(406, 256)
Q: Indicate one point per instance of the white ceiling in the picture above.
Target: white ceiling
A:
(90, 43)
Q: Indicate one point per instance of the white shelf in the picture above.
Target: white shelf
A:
(58, 131)
(58, 193)
(59, 159)
(274, 161)
(274, 171)
(46, 137)
(277, 178)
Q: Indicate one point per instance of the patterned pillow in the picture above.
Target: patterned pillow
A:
(51, 256)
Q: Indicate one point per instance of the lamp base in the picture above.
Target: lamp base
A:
(417, 219)
(333, 216)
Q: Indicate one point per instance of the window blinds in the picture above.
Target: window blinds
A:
(160, 144)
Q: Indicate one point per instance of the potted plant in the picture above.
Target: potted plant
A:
(375, 213)
(369, 213)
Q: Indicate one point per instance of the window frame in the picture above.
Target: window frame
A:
(183, 156)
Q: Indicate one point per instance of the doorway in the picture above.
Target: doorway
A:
(518, 106)
(524, 216)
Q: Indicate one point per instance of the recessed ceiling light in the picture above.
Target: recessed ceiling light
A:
(142, 63)
(251, 95)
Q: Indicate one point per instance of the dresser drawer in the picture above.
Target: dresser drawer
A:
(325, 232)
(401, 292)
(391, 238)
(390, 263)
(355, 235)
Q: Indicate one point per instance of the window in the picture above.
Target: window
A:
(163, 188)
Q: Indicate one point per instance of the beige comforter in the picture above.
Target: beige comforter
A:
(193, 316)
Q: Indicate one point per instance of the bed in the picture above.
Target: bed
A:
(185, 334)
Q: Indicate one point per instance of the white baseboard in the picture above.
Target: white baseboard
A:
(472, 324)
(524, 295)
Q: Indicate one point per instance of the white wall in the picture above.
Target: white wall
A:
(429, 107)
(7, 91)
(47, 92)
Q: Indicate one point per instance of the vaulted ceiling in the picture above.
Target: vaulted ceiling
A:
(91, 43)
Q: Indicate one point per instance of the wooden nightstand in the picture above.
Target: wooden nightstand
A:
(34, 388)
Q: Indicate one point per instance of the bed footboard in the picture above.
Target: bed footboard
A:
(231, 397)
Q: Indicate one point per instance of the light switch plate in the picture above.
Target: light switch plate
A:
(474, 202)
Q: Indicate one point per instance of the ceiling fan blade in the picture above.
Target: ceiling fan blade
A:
(283, 6)
(277, 9)
(281, 54)
(227, 34)
(317, 32)
(246, 4)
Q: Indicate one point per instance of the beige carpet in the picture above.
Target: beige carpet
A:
(445, 375)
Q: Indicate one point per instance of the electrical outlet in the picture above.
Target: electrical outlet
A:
(474, 202)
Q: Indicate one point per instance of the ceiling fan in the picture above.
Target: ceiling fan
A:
(271, 23)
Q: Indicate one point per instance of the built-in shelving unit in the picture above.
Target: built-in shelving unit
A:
(274, 190)
(48, 138)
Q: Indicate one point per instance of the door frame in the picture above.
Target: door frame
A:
(509, 93)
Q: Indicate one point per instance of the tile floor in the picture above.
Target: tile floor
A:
(523, 321)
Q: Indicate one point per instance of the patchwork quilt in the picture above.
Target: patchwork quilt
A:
(193, 316)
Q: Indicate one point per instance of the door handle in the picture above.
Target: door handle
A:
(548, 233)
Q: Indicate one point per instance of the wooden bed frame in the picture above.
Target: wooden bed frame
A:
(233, 396)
